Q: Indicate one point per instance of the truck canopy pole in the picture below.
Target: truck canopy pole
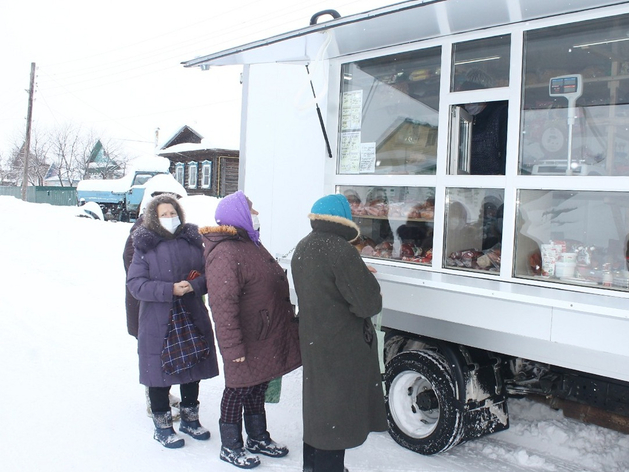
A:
(325, 133)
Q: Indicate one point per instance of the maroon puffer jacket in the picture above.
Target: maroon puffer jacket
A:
(251, 308)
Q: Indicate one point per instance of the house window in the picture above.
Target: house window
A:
(192, 175)
(179, 173)
(206, 174)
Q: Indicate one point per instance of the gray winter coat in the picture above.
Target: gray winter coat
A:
(159, 260)
(343, 399)
(251, 308)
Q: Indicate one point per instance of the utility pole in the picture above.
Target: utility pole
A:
(27, 141)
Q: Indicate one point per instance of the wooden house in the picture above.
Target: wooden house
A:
(199, 167)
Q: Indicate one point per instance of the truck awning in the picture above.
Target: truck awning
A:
(396, 24)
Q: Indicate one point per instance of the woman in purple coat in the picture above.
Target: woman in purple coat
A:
(255, 327)
(167, 252)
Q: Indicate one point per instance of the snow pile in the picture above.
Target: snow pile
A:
(76, 403)
(161, 183)
(149, 164)
(108, 185)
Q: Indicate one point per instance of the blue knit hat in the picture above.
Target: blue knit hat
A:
(334, 205)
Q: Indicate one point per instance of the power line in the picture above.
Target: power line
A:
(182, 50)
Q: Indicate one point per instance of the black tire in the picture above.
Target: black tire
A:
(422, 404)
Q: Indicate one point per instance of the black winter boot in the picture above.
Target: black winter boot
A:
(190, 423)
(259, 440)
(232, 449)
(164, 432)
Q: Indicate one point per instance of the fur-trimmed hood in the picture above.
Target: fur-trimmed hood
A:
(345, 228)
(145, 239)
(151, 219)
(213, 235)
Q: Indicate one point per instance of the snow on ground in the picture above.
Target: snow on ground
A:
(72, 399)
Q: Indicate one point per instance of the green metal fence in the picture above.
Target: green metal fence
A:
(62, 196)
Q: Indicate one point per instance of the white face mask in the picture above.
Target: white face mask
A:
(170, 224)
(256, 222)
(474, 108)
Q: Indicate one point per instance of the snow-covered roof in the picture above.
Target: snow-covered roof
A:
(113, 185)
(149, 164)
(187, 147)
(185, 134)
(145, 163)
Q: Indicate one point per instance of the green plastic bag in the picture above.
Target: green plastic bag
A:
(273, 392)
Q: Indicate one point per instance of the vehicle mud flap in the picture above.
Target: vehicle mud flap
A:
(485, 400)
(490, 418)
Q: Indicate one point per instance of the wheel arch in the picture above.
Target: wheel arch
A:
(451, 352)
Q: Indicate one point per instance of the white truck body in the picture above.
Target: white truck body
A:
(285, 167)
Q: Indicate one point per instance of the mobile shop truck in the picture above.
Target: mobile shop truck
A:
(493, 285)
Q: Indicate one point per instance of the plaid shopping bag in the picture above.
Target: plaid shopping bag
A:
(184, 345)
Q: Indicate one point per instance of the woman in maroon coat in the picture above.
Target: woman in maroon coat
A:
(167, 251)
(256, 329)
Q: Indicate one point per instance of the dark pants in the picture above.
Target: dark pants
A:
(249, 399)
(319, 460)
(159, 396)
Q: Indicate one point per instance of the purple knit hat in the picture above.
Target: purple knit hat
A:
(233, 210)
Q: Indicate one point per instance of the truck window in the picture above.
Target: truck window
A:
(478, 130)
(578, 238)
(488, 57)
(141, 179)
(390, 113)
(395, 222)
(473, 228)
(575, 111)
(478, 138)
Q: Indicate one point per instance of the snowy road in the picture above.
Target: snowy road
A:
(72, 400)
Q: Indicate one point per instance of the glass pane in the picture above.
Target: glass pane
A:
(390, 113)
(573, 237)
(179, 173)
(483, 63)
(207, 174)
(394, 222)
(478, 138)
(575, 118)
(141, 179)
(473, 230)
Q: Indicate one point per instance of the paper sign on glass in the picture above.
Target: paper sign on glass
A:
(352, 110)
(367, 158)
(350, 153)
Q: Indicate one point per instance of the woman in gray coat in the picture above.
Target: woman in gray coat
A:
(168, 262)
(255, 327)
(343, 400)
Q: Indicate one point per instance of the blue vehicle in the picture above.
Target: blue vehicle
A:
(119, 199)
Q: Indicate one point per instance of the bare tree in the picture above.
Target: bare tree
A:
(4, 171)
(38, 161)
(68, 149)
(69, 153)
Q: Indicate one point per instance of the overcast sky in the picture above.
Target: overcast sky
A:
(115, 67)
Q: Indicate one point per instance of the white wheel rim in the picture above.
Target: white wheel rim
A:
(402, 404)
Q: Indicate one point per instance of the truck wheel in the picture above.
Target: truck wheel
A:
(421, 402)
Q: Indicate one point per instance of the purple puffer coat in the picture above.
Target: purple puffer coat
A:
(251, 308)
(159, 261)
